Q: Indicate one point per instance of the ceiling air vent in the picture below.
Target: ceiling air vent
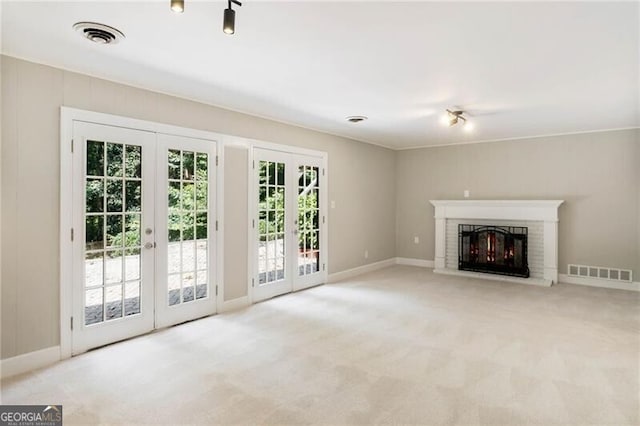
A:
(98, 33)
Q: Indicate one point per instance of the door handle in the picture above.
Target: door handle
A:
(148, 246)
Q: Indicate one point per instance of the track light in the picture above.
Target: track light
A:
(177, 6)
(229, 23)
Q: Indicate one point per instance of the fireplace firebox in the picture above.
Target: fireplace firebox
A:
(493, 249)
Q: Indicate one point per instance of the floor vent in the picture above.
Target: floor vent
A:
(599, 272)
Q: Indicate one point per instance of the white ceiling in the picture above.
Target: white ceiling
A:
(520, 69)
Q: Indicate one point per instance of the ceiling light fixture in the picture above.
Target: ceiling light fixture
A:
(229, 23)
(453, 117)
(177, 6)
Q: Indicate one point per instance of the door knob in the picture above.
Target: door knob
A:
(148, 246)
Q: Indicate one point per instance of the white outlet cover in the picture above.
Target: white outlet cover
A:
(466, 193)
(333, 204)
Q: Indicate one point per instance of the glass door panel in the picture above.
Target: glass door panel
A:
(271, 216)
(112, 234)
(310, 258)
(113, 292)
(308, 220)
(185, 264)
(187, 221)
(272, 236)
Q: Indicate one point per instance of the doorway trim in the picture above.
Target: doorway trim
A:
(67, 117)
(253, 205)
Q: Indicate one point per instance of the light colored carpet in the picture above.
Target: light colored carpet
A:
(400, 345)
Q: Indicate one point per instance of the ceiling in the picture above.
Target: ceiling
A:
(520, 69)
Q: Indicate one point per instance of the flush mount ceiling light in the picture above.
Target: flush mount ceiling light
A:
(356, 118)
(454, 117)
(98, 33)
(229, 23)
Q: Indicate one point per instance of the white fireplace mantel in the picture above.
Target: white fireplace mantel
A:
(545, 211)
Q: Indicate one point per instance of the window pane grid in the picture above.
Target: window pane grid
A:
(308, 220)
(271, 217)
(188, 226)
(113, 189)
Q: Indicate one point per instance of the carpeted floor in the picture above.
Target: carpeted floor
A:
(400, 345)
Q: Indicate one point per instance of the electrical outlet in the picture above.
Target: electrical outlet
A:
(466, 193)
(333, 204)
(416, 240)
(366, 254)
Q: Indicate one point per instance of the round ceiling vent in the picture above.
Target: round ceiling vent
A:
(98, 33)
(356, 118)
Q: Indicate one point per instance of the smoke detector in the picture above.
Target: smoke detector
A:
(99, 33)
(356, 118)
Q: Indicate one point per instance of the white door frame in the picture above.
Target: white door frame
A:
(253, 207)
(67, 118)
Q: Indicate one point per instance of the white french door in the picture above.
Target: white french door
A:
(289, 248)
(186, 229)
(143, 205)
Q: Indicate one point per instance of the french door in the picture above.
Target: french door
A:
(186, 229)
(289, 223)
(142, 242)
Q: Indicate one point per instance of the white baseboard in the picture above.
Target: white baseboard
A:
(354, 272)
(29, 361)
(414, 262)
(597, 282)
(234, 304)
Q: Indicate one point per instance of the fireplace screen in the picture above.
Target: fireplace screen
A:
(493, 249)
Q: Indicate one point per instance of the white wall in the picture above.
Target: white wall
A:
(361, 181)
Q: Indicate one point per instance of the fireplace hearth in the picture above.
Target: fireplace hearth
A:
(493, 249)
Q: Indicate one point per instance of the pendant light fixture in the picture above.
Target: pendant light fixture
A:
(229, 23)
(177, 6)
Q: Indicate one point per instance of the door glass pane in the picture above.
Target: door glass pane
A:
(115, 158)
(132, 298)
(113, 302)
(114, 231)
(308, 220)
(188, 217)
(133, 161)
(113, 186)
(95, 158)
(114, 195)
(93, 306)
(94, 195)
(271, 217)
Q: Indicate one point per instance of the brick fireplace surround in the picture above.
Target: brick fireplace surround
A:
(540, 216)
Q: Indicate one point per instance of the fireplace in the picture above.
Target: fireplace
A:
(493, 249)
